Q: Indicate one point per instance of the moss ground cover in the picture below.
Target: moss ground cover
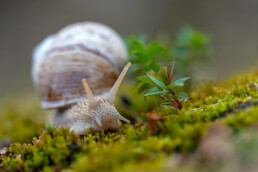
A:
(216, 129)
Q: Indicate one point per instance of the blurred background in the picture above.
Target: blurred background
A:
(232, 25)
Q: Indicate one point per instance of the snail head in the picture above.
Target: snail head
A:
(95, 103)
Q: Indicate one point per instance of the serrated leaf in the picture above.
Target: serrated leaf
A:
(183, 96)
(155, 93)
(180, 82)
(157, 82)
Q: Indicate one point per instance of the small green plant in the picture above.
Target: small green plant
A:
(190, 47)
(144, 60)
(144, 56)
(155, 79)
(161, 83)
(49, 128)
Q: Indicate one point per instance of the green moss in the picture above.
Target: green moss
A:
(21, 119)
(135, 147)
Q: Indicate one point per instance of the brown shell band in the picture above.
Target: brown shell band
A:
(105, 56)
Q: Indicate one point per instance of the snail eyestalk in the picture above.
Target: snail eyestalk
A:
(123, 119)
(115, 87)
(91, 98)
(98, 120)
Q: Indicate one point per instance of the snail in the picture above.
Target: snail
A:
(82, 57)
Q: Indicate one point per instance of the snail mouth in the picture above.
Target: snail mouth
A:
(111, 130)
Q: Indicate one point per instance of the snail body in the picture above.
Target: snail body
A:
(89, 51)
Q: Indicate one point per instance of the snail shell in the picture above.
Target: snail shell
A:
(82, 50)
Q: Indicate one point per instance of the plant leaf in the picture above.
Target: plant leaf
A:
(145, 79)
(154, 65)
(170, 72)
(183, 96)
(153, 89)
(163, 74)
(154, 48)
(180, 82)
(155, 93)
(157, 76)
(167, 103)
(157, 82)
